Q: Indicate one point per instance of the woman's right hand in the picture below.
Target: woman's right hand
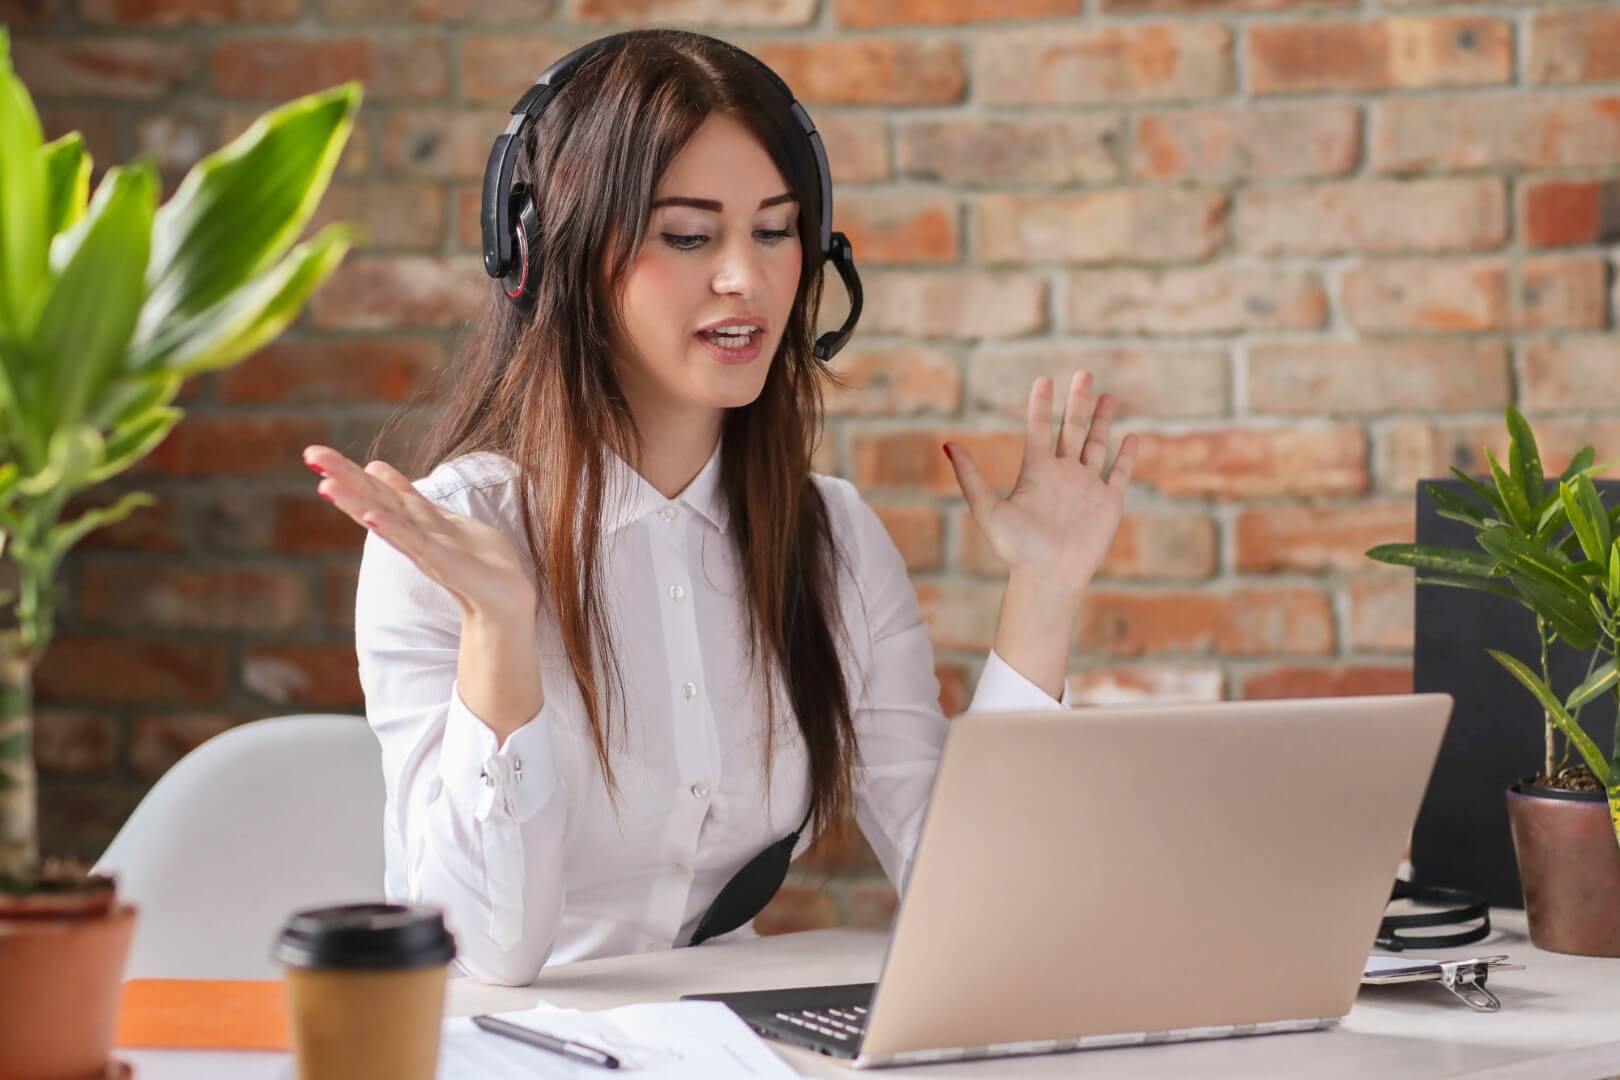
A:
(474, 561)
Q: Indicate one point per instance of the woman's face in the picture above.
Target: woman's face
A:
(722, 249)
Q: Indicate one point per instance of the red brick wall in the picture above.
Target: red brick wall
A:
(1313, 246)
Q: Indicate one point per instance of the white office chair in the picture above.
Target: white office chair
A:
(257, 822)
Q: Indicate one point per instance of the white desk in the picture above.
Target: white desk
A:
(1560, 1017)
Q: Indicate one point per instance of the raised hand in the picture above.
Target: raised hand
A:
(1057, 522)
(473, 560)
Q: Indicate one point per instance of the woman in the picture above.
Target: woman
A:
(621, 639)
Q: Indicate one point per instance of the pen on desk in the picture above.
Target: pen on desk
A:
(566, 1047)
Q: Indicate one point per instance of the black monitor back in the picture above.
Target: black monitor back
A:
(1496, 735)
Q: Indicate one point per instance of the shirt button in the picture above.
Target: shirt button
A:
(689, 691)
(676, 592)
(700, 790)
(667, 513)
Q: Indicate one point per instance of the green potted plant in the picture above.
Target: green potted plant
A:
(107, 305)
(1553, 549)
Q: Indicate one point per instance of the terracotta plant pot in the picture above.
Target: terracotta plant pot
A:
(60, 978)
(1569, 865)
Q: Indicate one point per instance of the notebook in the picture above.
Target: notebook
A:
(202, 1014)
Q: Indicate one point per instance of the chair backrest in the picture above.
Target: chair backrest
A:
(257, 822)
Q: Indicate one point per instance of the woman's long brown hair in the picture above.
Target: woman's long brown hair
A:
(539, 388)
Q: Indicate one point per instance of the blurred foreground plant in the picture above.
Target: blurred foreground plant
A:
(107, 304)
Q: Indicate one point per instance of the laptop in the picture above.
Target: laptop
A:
(1132, 875)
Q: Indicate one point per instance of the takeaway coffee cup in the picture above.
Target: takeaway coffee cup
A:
(365, 990)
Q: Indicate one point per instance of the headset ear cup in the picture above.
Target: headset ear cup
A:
(521, 280)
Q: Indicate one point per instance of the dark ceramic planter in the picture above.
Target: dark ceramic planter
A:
(1569, 864)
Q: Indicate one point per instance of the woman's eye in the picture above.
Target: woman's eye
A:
(691, 242)
(683, 243)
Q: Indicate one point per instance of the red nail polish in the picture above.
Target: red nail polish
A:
(327, 497)
(316, 467)
(947, 448)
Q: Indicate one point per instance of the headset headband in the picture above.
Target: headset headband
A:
(510, 216)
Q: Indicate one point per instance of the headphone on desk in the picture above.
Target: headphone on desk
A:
(510, 216)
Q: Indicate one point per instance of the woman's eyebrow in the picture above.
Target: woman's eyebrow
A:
(717, 206)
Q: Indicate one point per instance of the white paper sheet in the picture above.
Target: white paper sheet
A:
(682, 1040)
(151, 1064)
(1396, 965)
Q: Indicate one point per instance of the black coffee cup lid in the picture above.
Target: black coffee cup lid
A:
(366, 937)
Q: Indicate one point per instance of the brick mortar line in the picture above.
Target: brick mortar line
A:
(455, 34)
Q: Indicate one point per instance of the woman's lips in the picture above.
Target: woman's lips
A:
(734, 356)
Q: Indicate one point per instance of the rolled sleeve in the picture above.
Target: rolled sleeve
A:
(1002, 688)
(483, 779)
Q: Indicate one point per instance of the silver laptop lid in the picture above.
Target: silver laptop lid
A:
(1120, 870)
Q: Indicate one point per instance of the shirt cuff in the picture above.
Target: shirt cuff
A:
(1003, 689)
(483, 779)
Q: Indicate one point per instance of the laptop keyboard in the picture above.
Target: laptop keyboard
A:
(845, 1025)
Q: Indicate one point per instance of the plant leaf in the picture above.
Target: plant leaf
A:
(91, 310)
(1614, 794)
(1449, 504)
(250, 317)
(1593, 504)
(1512, 493)
(22, 200)
(1569, 614)
(67, 182)
(128, 398)
(1614, 574)
(134, 440)
(239, 209)
(1516, 552)
(1490, 497)
(1527, 459)
(1495, 588)
(15, 363)
(1445, 560)
(75, 450)
(1600, 467)
(65, 535)
(1586, 530)
(1582, 460)
(1553, 520)
(1560, 716)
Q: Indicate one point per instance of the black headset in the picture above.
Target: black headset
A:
(511, 215)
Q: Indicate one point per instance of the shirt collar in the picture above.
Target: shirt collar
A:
(629, 497)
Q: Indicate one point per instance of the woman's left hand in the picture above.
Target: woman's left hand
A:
(1057, 522)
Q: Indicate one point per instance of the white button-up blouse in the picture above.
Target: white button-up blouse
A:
(519, 843)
